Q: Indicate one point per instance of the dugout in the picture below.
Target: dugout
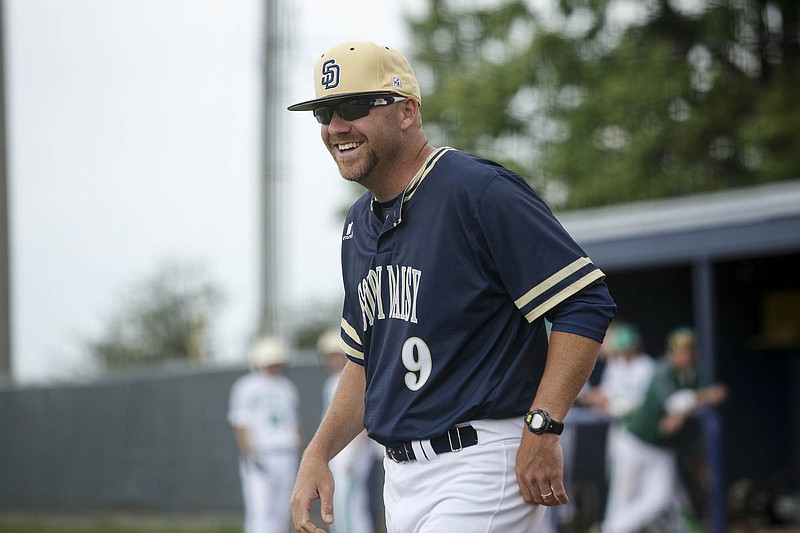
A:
(157, 440)
(726, 263)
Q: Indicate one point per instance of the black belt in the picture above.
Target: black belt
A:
(454, 440)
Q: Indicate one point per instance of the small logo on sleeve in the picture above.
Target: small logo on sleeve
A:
(349, 233)
(330, 74)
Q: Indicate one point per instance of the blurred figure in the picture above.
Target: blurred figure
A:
(263, 412)
(627, 374)
(624, 379)
(351, 467)
(644, 470)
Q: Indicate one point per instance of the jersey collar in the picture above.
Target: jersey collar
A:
(413, 185)
(396, 215)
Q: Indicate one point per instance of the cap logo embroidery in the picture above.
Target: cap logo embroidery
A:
(396, 82)
(330, 74)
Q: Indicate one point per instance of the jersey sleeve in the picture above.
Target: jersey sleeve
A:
(587, 313)
(539, 263)
(352, 343)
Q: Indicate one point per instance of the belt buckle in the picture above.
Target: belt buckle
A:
(390, 454)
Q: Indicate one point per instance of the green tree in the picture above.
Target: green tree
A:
(600, 102)
(164, 317)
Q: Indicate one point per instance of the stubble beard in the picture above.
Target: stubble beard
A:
(359, 171)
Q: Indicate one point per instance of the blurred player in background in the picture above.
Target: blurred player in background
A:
(626, 376)
(352, 466)
(263, 412)
(644, 470)
(451, 264)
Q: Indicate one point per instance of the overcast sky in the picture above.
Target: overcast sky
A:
(132, 140)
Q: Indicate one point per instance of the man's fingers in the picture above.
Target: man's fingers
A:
(533, 490)
(301, 513)
(326, 504)
(560, 494)
(555, 495)
(525, 489)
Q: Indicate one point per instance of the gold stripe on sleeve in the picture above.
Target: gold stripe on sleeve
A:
(351, 332)
(564, 294)
(551, 282)
(353, 353)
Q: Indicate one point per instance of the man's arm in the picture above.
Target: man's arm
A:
(678, 414)
(341, 423)
(540, 459)
(243, 439)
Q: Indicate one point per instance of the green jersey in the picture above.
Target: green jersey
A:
(643, 421)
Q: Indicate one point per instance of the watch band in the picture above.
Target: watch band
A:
(548, 424)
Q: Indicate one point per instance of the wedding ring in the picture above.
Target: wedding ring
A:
(545, 496)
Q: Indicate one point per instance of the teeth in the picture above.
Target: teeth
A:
(347, 146)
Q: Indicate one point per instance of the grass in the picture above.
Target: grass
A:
(117, 524)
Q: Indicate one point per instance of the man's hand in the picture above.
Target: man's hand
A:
(251, 458)
(314, 482)
(712, 395)
(540, 469)
(671, 423)
(594, 397)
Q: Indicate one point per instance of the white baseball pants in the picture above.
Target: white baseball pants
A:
(351, 469)
(267, 490)
(644, 484)
(474, 490)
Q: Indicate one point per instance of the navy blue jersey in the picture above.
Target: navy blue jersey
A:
(445, 300)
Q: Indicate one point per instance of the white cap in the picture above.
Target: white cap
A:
(330, 342)
(268, 351)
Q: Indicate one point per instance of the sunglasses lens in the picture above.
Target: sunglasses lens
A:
(352, 111)
(346, 110)
(323, 115)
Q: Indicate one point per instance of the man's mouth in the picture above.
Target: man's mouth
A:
(344, 147)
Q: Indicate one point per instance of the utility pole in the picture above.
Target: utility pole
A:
(5, 296)
(270, 152)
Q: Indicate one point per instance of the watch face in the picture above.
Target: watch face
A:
(537, 421)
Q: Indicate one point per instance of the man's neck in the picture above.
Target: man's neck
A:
(406, 169)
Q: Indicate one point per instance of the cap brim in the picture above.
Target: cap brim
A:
(327, 100)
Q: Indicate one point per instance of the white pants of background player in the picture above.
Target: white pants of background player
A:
(351, 469)
(644, 484)
(474, 490)
(267, 484)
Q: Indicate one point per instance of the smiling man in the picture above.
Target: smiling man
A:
(451, 265)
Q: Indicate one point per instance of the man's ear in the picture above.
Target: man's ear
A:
(410, 112)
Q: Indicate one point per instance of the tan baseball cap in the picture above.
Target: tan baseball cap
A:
(354, 69)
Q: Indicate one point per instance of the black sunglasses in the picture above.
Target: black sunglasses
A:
(353, 109)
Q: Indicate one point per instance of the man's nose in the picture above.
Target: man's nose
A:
(338, 124)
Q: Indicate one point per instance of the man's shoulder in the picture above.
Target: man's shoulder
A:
(242, 384)
(644, 361)
(459, 170)
(470, 163)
